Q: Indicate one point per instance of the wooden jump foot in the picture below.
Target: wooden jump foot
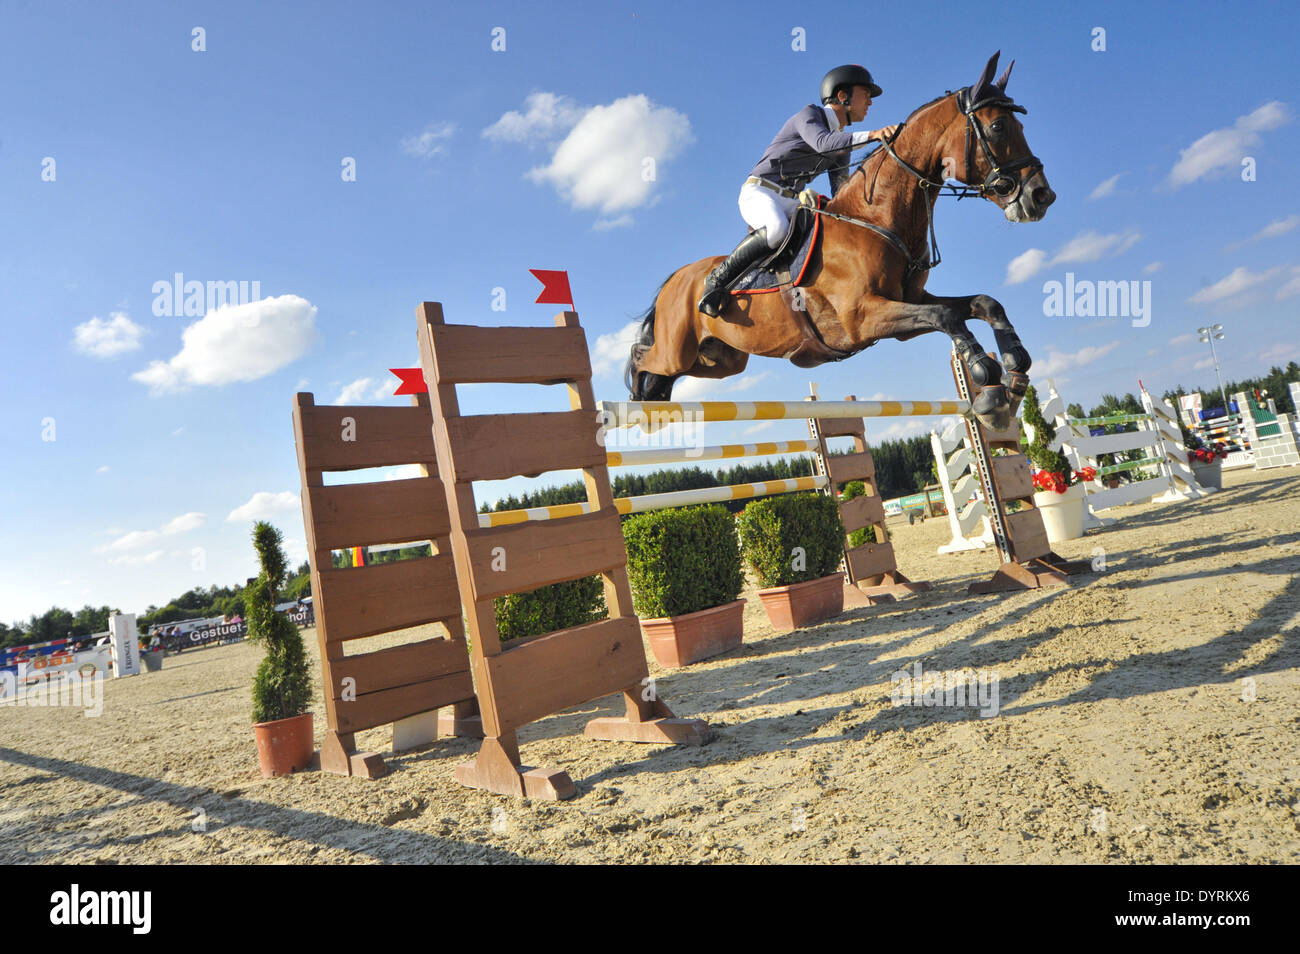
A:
(367, 765)
(669, 730)
(522, 782)
(336, 758)
(855, 598)
(497, 769)
(1017, 576)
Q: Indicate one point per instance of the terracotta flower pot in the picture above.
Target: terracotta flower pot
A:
(681, 640)
(802, 604)
(285, 745)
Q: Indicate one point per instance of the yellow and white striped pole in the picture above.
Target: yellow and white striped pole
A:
(684, 455)
(651, 415)
(675, 498)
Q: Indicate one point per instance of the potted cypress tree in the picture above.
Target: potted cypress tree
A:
(282, 688)
(795, 543)
(685, 570)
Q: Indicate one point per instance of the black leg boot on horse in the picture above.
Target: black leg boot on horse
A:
(752, 248)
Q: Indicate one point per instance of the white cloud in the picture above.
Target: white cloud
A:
(264, 505)
(236, 343)
(1203, 364)
(107, 339)
(611, 350)
(1084, 247)
(402, 472)
(1181, 340)
(1106, 188)
(899, 430)
(139, 539)
(602, 161)
(186, 521)
(431, 142)
(145, 560)
(1238, 281)
(546, 116)
(354, 392)
(102, 470)
(1058, 362)
(1292, 287)
(1024, 266)
(1282, 351)
(1272, 230)
(712, 389)
(604, 225)
(1223, 149)
(1279, 227)
(1091, 246)
(1152, 268)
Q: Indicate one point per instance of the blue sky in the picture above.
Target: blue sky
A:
(170, 435)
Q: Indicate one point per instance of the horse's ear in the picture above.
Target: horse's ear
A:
(986, 77)
(1002, 82)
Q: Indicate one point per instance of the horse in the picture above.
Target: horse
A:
(869, 273)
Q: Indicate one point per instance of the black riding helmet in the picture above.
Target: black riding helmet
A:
(850, 76)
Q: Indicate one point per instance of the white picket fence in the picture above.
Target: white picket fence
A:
(968, 518)
(1158, 437)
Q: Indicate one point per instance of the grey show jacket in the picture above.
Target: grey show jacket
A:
(805, 147)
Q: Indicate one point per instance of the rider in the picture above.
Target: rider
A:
(810, 142)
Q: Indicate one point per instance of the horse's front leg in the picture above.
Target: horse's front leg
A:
(884, 318)
(1015, 358)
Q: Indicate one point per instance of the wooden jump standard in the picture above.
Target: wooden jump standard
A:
(526, 679)
(1028, 560)
(404, 685)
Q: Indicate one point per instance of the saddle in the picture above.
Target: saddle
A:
(786, 268)
(787, 264)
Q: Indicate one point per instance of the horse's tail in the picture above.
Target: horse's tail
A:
(645, 339)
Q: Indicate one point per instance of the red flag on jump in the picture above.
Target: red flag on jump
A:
(412, 381)
(555, 287)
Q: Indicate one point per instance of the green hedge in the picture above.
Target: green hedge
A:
(681, 561)
(771, 529)
(856, 488)
(548, 608)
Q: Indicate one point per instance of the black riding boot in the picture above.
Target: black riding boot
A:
(749, 251)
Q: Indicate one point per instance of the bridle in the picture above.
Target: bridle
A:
(999, 181)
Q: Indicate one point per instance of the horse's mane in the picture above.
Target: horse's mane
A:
(879, 151)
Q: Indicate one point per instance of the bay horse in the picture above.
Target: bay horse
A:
(868, 276)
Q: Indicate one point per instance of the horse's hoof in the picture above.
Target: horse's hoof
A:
(993, 408)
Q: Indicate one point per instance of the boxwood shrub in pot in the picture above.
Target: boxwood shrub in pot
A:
(794, 544)
(686, 575)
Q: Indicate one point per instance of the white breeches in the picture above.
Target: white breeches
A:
(763, 208)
